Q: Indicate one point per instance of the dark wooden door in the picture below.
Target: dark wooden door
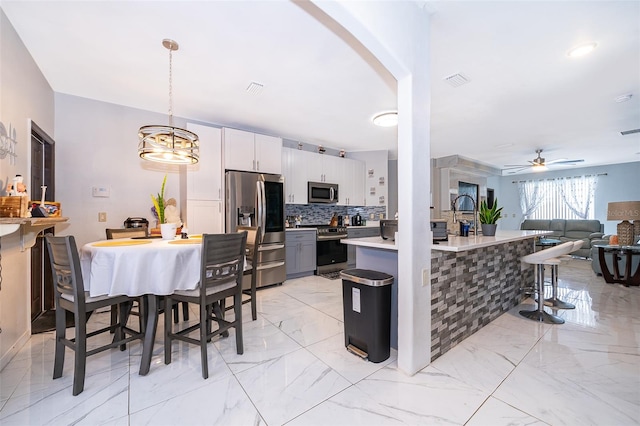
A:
(42, 173)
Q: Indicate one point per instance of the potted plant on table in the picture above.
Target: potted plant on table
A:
(160, 207)
(489, 217)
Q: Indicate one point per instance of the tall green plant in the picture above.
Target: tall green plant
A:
(158, 202)
(489, 216)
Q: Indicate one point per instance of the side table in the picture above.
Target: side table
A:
(613, 251)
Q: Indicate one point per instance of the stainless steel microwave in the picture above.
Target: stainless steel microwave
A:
(321, 192)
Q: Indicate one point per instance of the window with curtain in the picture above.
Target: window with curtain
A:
(562, 198)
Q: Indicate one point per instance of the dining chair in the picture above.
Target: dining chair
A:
(114, 233)
(254, 239)
(70, 296)
(221, 272)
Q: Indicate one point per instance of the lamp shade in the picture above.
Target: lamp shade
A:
(623, 210)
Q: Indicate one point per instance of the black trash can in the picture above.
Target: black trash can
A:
(366, 297)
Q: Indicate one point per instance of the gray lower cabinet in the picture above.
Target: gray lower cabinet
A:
(301, 253)
(355, 232)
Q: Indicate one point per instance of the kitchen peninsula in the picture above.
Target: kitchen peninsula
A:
(473, 281)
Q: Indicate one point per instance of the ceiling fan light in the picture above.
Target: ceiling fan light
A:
(539, 168)
(581, 50)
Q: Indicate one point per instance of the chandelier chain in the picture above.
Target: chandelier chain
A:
(170, 87)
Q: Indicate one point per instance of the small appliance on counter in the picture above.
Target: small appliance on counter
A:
(356, 220)
(136, 222)
(388, 229)
(439, 229)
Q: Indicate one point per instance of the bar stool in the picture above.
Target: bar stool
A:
(553, 301)
(540, 259)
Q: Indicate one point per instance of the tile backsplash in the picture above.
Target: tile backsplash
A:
(315, 214)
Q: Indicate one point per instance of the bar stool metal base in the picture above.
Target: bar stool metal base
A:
(542, 317)
(558, 304)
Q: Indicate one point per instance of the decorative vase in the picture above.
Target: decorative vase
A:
(488, 230)
(168, 231)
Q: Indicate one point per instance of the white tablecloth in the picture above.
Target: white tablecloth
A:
(158, 267)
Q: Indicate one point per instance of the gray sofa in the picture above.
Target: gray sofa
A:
(622, 260)
(569, 230)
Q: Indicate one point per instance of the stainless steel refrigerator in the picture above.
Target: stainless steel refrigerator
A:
(257, 199)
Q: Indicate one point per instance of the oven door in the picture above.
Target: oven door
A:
(330, 252)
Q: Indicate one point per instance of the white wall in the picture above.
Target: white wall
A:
(24, 95)
(96, 145)
(621, 183)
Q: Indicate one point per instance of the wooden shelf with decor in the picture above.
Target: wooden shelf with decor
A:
(12, 219)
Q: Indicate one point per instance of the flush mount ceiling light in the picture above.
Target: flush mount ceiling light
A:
(168, 144)
(581, 50)
(386, 119)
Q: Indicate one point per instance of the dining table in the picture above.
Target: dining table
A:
(142, 267)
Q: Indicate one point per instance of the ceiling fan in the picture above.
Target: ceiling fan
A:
(539, 164)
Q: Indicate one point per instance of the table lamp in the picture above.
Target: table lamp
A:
(625, 211)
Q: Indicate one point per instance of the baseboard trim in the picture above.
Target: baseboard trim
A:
(13, 351)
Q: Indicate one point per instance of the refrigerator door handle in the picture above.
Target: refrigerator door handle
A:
(261, 205)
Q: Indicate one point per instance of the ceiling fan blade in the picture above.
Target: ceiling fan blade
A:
(560, 161)
(517, 169)
(515, 166)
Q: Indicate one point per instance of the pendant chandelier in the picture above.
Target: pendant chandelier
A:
(168, 144)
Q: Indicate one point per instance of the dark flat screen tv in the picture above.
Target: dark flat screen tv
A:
(464, 204)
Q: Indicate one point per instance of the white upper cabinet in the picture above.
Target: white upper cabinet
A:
(294, 169)
(324, 168)
(252, 152)
(204, 179)
(300, 167)
(351, 190)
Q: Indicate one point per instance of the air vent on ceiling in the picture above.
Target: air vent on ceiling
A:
(255, 88)
(630, 132)
(456, 80)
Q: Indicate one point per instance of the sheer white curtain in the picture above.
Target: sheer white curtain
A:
(531, 195)
(578, 194)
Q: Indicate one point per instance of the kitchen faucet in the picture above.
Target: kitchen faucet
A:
(475, 211)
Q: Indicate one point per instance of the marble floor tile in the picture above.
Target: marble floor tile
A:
(295, 369)
(285, 387)
(333, 352)
(496, 413)
(308, 326)
(217, 402)
(564, 399)
(428, 397)
(263, 342)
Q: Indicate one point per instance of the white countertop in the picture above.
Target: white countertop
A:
(455, 244)
(472, 242)
(372, 242)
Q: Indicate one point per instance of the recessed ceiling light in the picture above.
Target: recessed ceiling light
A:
(581, 50)
(386, 119)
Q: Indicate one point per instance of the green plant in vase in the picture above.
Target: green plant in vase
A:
(159, 203)
(488, 217)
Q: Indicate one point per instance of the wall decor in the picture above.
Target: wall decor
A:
(370, 173)
(8, 141)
